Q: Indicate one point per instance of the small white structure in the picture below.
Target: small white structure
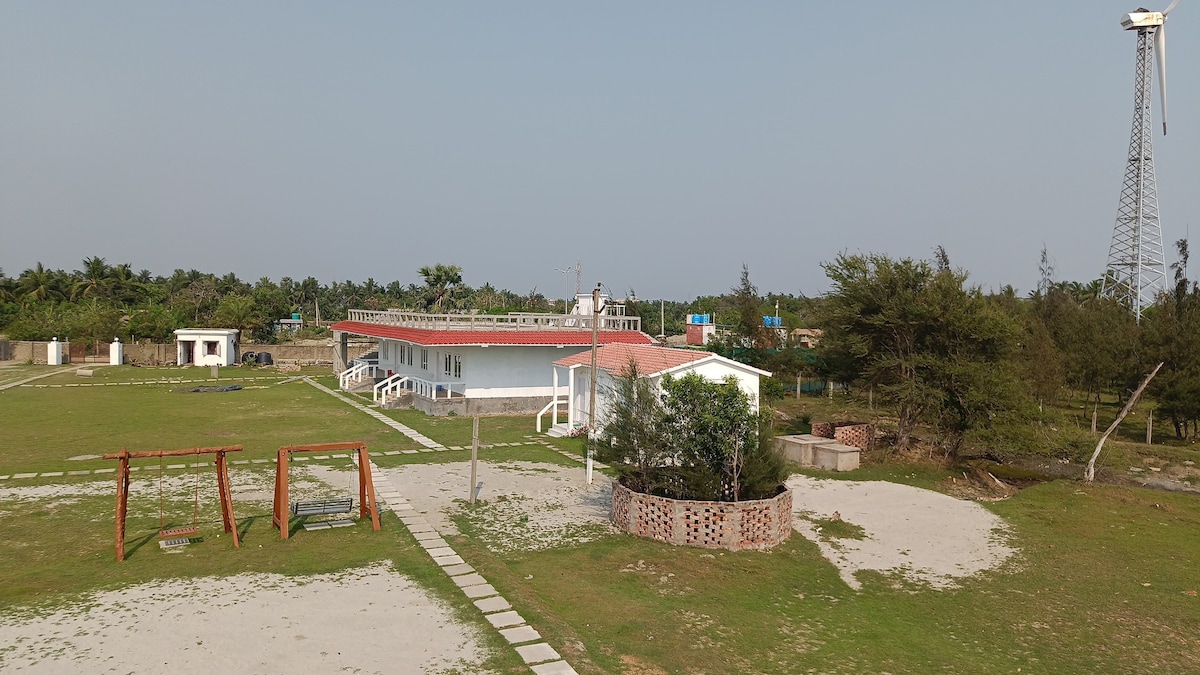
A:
(116, 353)
(206, 346)
(54, 353)
(652, 362)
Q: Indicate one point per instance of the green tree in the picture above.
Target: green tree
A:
(440, 284)
(935, 350)
(39, 285)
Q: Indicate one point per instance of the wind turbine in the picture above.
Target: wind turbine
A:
(1136, 270)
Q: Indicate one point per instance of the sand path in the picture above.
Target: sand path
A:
(927, 537)
(369, 620)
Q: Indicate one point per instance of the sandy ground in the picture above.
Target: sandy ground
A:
(522, 505)
(369, 620)
(925, 536)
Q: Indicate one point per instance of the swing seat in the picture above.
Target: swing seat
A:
(320, 507)
(175, 532)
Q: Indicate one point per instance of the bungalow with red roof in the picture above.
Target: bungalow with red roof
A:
(653, 362)
(472, 364)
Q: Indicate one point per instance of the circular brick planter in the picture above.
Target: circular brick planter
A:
(736, 526)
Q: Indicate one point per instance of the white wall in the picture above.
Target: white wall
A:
(226, 348)
(487, 372)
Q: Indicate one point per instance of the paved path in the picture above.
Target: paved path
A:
(407, 431)
(540, 656)
(19, 383)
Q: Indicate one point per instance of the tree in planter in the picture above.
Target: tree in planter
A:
(635, 443)
(695, 439)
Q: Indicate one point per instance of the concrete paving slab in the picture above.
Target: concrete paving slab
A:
(430, 544)
(442, 551)
(516, 636)
(504, 619)
(447, 560)
(455, 570)
(24, 475)
(468, 580)
(427, 535)
(78, 473)
(52, 474)
(409, 452)
(554, 668)
(480, 591)
(537, 653)
(495, 603)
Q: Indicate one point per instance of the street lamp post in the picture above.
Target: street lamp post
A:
(566, 286)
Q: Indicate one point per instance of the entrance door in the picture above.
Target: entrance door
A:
(187, 350)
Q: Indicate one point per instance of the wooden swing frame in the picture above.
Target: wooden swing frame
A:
(226, 496)
(281, 510)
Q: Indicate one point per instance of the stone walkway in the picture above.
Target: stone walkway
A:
(407, 431)
(540, 656)
(233, 378)
(21, 383)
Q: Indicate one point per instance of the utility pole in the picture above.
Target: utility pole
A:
(592, 382)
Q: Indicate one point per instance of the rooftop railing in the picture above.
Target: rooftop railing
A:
(514, 321)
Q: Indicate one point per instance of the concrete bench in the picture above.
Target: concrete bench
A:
(834, 456)
(798, 447)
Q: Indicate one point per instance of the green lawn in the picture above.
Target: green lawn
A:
(1104, 582)
(45, 427)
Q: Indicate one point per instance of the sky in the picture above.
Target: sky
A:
(661, 144)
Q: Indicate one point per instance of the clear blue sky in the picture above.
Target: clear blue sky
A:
(664, 144)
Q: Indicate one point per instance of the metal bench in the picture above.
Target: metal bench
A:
(320, 507)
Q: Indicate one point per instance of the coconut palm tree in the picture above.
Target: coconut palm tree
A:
(39, 285)
(440, 283)
(94, 280)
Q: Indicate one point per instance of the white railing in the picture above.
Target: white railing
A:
(504, 322)
(359, 370)
(551, 406)
(391, 385)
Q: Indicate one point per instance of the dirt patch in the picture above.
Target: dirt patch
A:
(522, 506)
(249, 623)
(925, 537)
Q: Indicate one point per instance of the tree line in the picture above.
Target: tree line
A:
(100, 301)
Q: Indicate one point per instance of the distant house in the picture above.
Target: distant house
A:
(571, 380)
(806, 337)
(206, 346)
(474, 363)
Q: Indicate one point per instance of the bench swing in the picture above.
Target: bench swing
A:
(283, 508)
(185, 531)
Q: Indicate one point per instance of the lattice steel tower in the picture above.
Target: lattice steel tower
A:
(1136, 271)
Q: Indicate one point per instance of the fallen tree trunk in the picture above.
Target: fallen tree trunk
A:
(1089, 474)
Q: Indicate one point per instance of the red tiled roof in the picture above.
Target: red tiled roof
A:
(553, 338)
(650, 359)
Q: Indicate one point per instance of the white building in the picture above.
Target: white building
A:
(571, 379)
(470, 363)
(206, 346)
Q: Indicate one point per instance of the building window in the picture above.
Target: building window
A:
(212, 348)
(452, 365)
(400, 354)
(410, 358)
(424, 359)
(383, 350)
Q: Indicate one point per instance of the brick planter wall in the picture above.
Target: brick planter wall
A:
(861, 436)
(822, 429)
(734, 526)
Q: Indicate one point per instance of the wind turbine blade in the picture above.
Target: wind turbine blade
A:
(1160, 56)
(1170, 7)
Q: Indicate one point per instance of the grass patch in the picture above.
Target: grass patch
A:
(45, 427)
(1102, 583)
(831, 529)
